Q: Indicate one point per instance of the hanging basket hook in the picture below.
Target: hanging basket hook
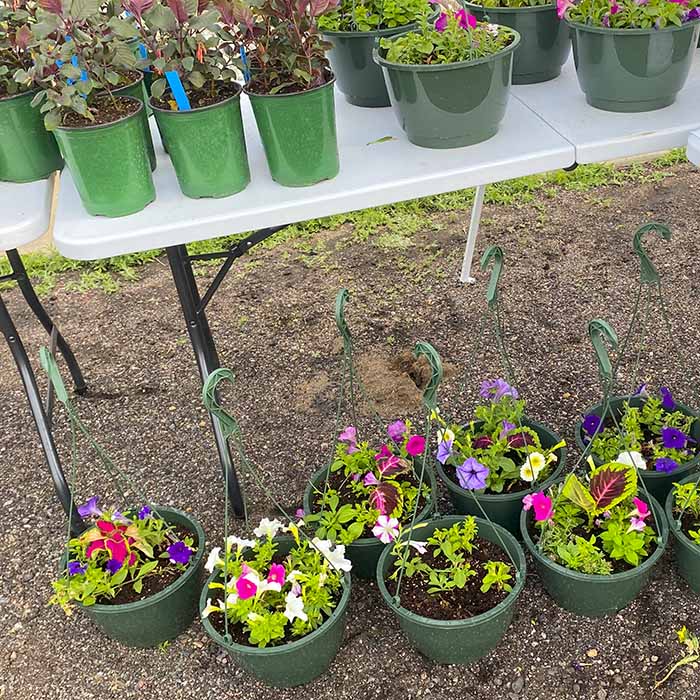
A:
(426, 350)
(341, 299)
(648, 273)
(494, 252)
(229, 425)
(599, 331)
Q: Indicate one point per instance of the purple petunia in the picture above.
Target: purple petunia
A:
(667, 398)
(441, 22)
(75, 568)
(592, 424)
(665, 464)
(179, 553)
(507, 427)
(90, 508)
(113, 565)
(144, 513)
(497, 389)
(472, 474)
(674, 439)
(444, 451)
(397, 430)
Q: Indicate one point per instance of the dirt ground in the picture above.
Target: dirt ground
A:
(569, 259)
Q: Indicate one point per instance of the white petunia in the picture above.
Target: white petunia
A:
(534, 464)
(240, 543)
(445, 435)
(419, 546)
(336, 557)
(295, 608)
(268, 528)
(213, 560)
(212, 608)
(631, 458)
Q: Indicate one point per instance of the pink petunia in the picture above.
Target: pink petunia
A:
(527, 501)
(276, 574)
(386, 529)
(641, 508)
(370, 479)
(245, 588)
(542, 506)
(466, 21)
(415, 445)
(563, 6)
(637, 524)
(441, 22)
(349, 435)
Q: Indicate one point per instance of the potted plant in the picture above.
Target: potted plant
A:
(657, 434)
(103, 136)
(492, 462)
(136, 573)
(277, 604)
(202, 123)
(545, 42)
(426, 72)
(631, 56)
(27, 151)
(683, 513)
(352, 29)
(291, 90)
(371, 494)
(460, 583)
(596, 543)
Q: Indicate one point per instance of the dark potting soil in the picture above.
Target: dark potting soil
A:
(105, 110)
(203, 97)
(459, 603)
(155, 582)
(689, 522)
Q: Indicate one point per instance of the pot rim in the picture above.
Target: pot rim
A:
(673, 523)
(26, 93)
(648, 563)
(441, 67)
(512, 10)
(514, 495)
(289, 647)
(178, 583)
(429, 476)
(260, 96)
(645, 473)
(589, 28)
(131, 84)
(198, 110)
(448, 521)
(349, 34)
(96, 127)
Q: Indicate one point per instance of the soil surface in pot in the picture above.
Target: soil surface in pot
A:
(689, 522)
(158, 581)
(256, 87)
(203, 97)
(459, 603)
(105, 110)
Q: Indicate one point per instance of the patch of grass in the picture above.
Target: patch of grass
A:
(387, 227)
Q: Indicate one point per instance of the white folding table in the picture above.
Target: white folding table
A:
(694, 147)
(25, 214)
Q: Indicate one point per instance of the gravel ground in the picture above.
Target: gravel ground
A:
(569, 259)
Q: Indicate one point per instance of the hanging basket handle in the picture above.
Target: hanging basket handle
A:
(48, 362)
(494, 252)
(599, 331)
(229, 425)
(648, 273)
(426, 350)
(341, 299)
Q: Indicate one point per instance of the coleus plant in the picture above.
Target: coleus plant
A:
(686, 501)
(654, 436)
(366, 16)
(371, 491)
(629, 14)
(598, 527)
(120, 551)
(273, 598)
(496, 452)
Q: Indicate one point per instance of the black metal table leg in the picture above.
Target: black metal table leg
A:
(42, 424)
(25, 285)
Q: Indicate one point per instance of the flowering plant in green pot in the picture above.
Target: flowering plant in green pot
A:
(683, 512)
(629, 14)
(686, 500)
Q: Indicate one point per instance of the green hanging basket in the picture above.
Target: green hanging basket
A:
(687, 553)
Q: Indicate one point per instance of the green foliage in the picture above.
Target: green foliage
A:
(498, 575)
(581, 554)
(18, 71)
(514, 3)
(629, 14)
(622, 543)
(372, 14)
(687, 501)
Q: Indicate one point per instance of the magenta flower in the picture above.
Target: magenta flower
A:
(636, 524)
(415, 445)
(528, 501)
(276, 574)
(542, 505)
(641, 508)
(614, 8)
(563, 6)
(444, 451)
(441, 22)
(471, 474)
(299, 513)
(245, 588)
(665, 464)
(349, 435)
(370, 479)
(466, 21)
(179, 553)
(396, 430)
(386, 529)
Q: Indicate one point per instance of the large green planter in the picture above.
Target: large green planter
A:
(686, 551)
(109, 165)
(295, 663)
(137, 89)
(595, 595)
(27, 151)
(633, 70)
(365, 552)
(359, 78)
(457, 641)
(165, 615)
(545, 42)
(657, 483)
(207, 148)
(504, 508)
(299, 135)
(451, 105)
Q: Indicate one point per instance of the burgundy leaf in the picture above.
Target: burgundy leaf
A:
(179, 10)
(137, 7)
(520, 440)
(607, 485)
(394, 466)
(384, 498)
(319, 7)
(236, 13)
(53, 6)
(481, 443)
(22, 37)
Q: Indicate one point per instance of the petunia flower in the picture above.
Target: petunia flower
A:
(397, 430)
(471, 474)
(415, 445)
(466, 21)
(507, 427)
(636, 524)
(642, 388)
(299, 513)
(294, 607)
(335, 555)
(179, 553)
(268, 528)
(641, 509)
(276, 574)
(592, 424)
(497, 389)
(444, 451)
(528, 501)
(370, 479)
(246, 586)
(563, 6)
(534, 464)
(543, 507)
(420, 547)
(667, 401)
(665, 464)
(445, 434)
(209, 608)
(674, 439)
(614, 8)
(213, 560)
(386, 529)
(144, 513)
(113, 565)
(75, 568)
(632, 458)
(441, 22)
(349, 435)
(90, 508)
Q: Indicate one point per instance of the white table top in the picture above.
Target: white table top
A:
(25, 211)
(694, 147)
(371, 174)
(598, 135)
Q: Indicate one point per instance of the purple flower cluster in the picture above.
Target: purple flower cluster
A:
(497, 389)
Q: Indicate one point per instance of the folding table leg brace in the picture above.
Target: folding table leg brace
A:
(19, 354)
(194, 310)
(477, 206)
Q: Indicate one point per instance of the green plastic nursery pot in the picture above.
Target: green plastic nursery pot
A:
(359, 78)
(456, 641)
(365, 552)
(207, 147)
(450, 105)
(545, 42)
(657, 483)
(594, 595)
(163, 616)
(686, 551)
(633, 70)
(299, 135)
(504, 508)
(27, 151)
(137, 89)
(295, 663)
(109, 164)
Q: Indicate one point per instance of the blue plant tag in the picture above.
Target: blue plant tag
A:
(244, 59)
(178, 90)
